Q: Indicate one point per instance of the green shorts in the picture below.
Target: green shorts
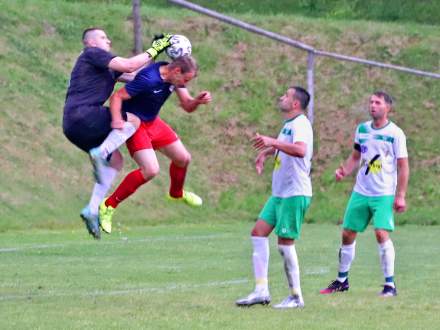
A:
(286, 214)
(361, 209)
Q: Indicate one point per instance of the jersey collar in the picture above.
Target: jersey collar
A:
(377, 129)
(291, 119)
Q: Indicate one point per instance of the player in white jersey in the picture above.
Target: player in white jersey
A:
(381, 184)
(291, 195)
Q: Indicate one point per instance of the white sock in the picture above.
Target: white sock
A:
(260, 258)
(100, 190)
(116, 138)
(291, 267)
(346, 256)
(387, 256)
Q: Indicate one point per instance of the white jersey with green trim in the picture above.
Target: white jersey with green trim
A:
(291, 175)
(380, 149)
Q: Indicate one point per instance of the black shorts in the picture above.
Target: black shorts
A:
(87, 126)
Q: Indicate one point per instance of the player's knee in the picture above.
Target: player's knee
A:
(150, 172)
(381, 235)
(183, 161)
(117, 161)
(285, 241)
(348, 237)
(257, 232)
(188, 158)
(118, 166)
(134, 120)
(261, 229)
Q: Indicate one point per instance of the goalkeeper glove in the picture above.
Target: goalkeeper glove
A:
(159, 44)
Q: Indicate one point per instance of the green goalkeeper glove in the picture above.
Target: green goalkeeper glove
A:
(159, 44)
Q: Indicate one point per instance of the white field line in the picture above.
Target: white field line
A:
(123, 240)
(316, 270)
(122, 292)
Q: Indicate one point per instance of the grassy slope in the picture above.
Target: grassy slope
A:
(45, 181)
(422, 12)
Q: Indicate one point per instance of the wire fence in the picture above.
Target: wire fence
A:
(311, 51)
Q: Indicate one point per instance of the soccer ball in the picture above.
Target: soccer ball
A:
(180, 46)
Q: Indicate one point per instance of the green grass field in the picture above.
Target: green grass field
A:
(188, 277)
(169, 266)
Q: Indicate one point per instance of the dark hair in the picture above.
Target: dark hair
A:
(387, 97)
(86, 31)
(185, 63)
(302, 96)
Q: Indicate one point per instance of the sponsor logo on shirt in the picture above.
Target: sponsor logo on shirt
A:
(287, 131)
(374, 166)
(277, 163)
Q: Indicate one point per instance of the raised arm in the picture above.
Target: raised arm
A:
(189, 103)
(296, 149)
(122, 64)
(128, 65)
(129, 76)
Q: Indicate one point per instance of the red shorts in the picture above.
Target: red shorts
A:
(151, 135)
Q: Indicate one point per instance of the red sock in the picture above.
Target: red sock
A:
(177, 175)
(128, 186)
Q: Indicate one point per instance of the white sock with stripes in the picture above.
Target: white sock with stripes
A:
(291, 267)
(387, 256)
(346, 257)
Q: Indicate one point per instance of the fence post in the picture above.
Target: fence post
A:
(137, 26)
(311, 84)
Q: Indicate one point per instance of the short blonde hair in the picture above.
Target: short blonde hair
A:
(185, 63)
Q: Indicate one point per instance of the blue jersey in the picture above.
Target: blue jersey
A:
(91, 81)
(148, 93)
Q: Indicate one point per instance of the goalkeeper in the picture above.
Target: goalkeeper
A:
(87, 122)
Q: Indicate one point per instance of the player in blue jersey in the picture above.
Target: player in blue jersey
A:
(87, 122)
(381, 183)
(144, 97)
